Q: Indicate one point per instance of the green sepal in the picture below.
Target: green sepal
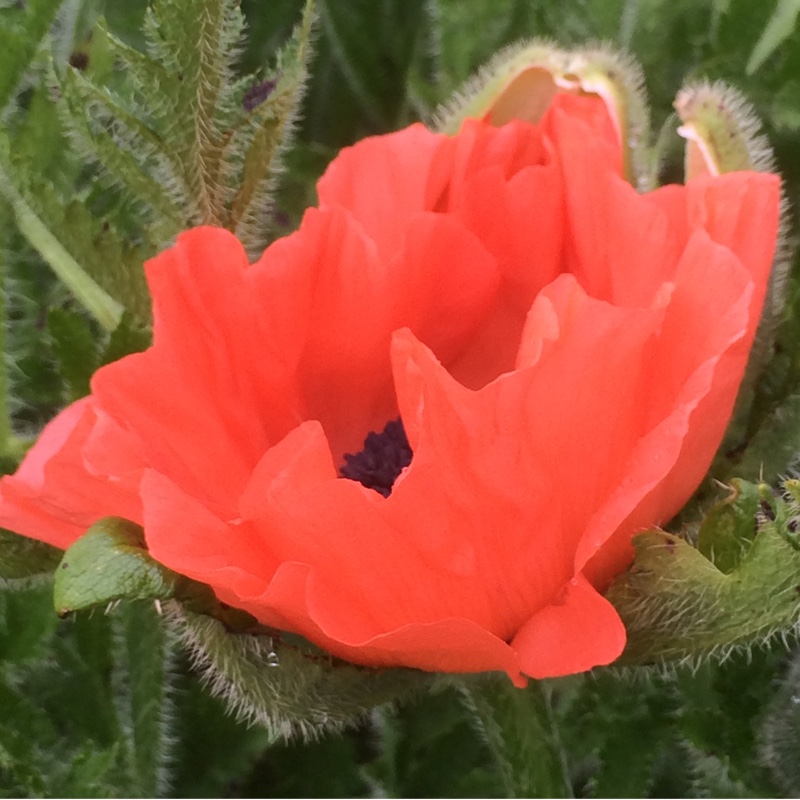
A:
(722, 131)
(521, 81)
(108, 563)
(730, 525)
(24, 560)
(677, 604)
(282, 682)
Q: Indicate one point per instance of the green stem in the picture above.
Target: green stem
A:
(5, 406)
(519, 728)
(94, 299)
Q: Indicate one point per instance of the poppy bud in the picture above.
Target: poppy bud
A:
(521, 82)
(721, 132)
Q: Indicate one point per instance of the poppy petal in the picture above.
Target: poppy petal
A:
(580, 631)
(53, 497)
(398, 164)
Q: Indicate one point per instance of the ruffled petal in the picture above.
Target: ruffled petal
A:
(210, 328)
(300, 602)
(441, 282)
(621, 245)
(510, 516)
(382, 181)
(185, 535)
(53, 497)
(697, 368)
(587, 115)
(579, 631)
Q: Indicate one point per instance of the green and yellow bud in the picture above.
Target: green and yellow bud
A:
(521, 81)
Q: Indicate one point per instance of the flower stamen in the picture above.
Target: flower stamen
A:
(384, 456)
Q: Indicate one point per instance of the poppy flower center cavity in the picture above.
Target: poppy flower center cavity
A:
(384, 456)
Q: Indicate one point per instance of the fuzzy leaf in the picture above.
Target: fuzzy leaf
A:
(719, 705)
(199, 41)
(23, 560)
(264, 135)
(125, 146)
(778, 29)
(109, 562)
(780, 732)
(283, 683)
(75, 348)
(102, 307)
(145, 654)
(128, 337)
(519, 727)
(376, 72)
(676, 604)
(22, 27)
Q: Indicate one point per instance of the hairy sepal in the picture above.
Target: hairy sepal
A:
(281, 682)
(678, 605)
(521, 81)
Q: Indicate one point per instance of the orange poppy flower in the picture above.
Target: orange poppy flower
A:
(423, 429)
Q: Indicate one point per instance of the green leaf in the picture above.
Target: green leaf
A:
(198, 41)
(22, 28)
(770, 449)
(144, 655)
(328, 767)
(779, 28)
(99, 304)
(676, 604)
(719, 706)
(780, 732)
(430, 748)
(519, 727)
(213, 750)
(127, 338)
(264, 136)
(373, 44)
(126, 147)
(27, 624)
(109, 562)
(75, 348)
(23, 560)
(616, 728)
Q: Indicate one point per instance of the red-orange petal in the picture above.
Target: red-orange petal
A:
(53, 497)
(579, 631)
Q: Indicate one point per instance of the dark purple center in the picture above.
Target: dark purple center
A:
(382, 459)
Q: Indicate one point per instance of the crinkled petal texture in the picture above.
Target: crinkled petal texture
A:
(564, 354)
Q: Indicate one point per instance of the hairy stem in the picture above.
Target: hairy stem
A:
(519, 728)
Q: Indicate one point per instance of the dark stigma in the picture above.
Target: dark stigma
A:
(381, 460)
